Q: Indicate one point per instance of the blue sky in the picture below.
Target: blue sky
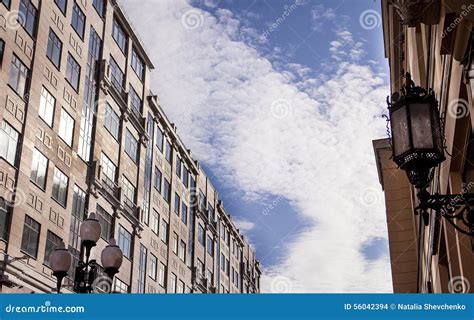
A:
(280, 101)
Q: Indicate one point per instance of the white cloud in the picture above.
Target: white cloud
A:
(243, 225)
(313, 147)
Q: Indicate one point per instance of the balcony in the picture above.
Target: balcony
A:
(131, 208)
(103, 184)
(138, 121)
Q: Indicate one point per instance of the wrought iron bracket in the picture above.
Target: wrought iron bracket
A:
(453, 207)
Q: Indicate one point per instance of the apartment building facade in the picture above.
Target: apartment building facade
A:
(82, 132)
(433, 41)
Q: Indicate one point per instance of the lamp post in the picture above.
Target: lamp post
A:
(86, 271)
(417, 145)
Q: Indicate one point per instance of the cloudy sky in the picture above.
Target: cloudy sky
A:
(280, 100)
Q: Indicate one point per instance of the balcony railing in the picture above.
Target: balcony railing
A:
(110, 187)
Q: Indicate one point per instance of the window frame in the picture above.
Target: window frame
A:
(29, 7)
(37, 234)
(72, 121)
(76, 9)
(22, 75)
(63, 10)
(61, 175)
(55, 40)
(117, 26)
(46, 167)
(9, 139)
(73, 67)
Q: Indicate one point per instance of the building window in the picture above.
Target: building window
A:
(105, 221)
(7, 3)
(46, 107)
(73, 72)
(162, 275)
(108, 168)
(39, 169)
(184, 213)
(178, 167)
(60, 183)
(180, 287)
(137, 65)
(99, 6)
(18, 77)
(117, 75)
(168, 154)
(153, 266)
(210, 276)
(111, 121)
(182, 250)
(78, 21)
(227, 267)
(62, 5)
(78, 213)
(210, 245)
(222, 262)
(199, 268)
(211, 213)
(120, 286)
(30, 237)
(135, 101)
(158, 177)
(173, 283)
(175, 243)
(8, 143)
(159, 138)
(167, 190)
(164, 231)
(125, 241)
(201, 235)
(185, 177)
(2, 49)
(155, 221)
(27, 16)
(129, 192)
(52, 242)
(177, 203)
(53, 51)
(119, 35)
(5, 216)
(131, 146)
(142, 269)
(66, 127)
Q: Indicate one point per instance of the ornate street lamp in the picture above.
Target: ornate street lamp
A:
(86, 271)
(417, 145)
(60, 262)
